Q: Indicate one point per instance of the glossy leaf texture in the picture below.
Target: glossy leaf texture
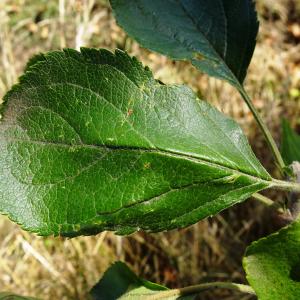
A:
(272, 264)
(217, 36)
(119, 282)
(290, 144)
(90, 141)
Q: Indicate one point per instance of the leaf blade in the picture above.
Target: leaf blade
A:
(218, 37)
(90, 142)
(290, 143)
(272, 264)
(119, 282)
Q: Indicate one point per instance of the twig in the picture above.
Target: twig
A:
(195, 289)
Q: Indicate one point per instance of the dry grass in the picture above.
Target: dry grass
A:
(52, 268)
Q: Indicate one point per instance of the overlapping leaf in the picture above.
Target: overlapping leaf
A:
(272, 264)
(290, 144)
(217, 36)
(90, 141)
(119, 282)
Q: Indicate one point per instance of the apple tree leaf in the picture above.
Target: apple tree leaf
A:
(272, 264)
(90, 141)
(217, 36)
(119, 282)
(290, 144)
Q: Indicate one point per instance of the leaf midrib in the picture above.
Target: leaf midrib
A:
(122, 113)
(188, 186)
(143, 137)
(163, 152)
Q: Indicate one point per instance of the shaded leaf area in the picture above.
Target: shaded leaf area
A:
(290, 144)
(11, 296)
(217, 36)
(119, 282)
(90, 141)
(272, 264)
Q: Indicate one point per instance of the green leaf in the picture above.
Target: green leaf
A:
(272, 264)
(217, 36)
(90, 141)
(10, 296)
(290, 144)
(119, 282)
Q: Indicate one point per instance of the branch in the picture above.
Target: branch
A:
(195, 289)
